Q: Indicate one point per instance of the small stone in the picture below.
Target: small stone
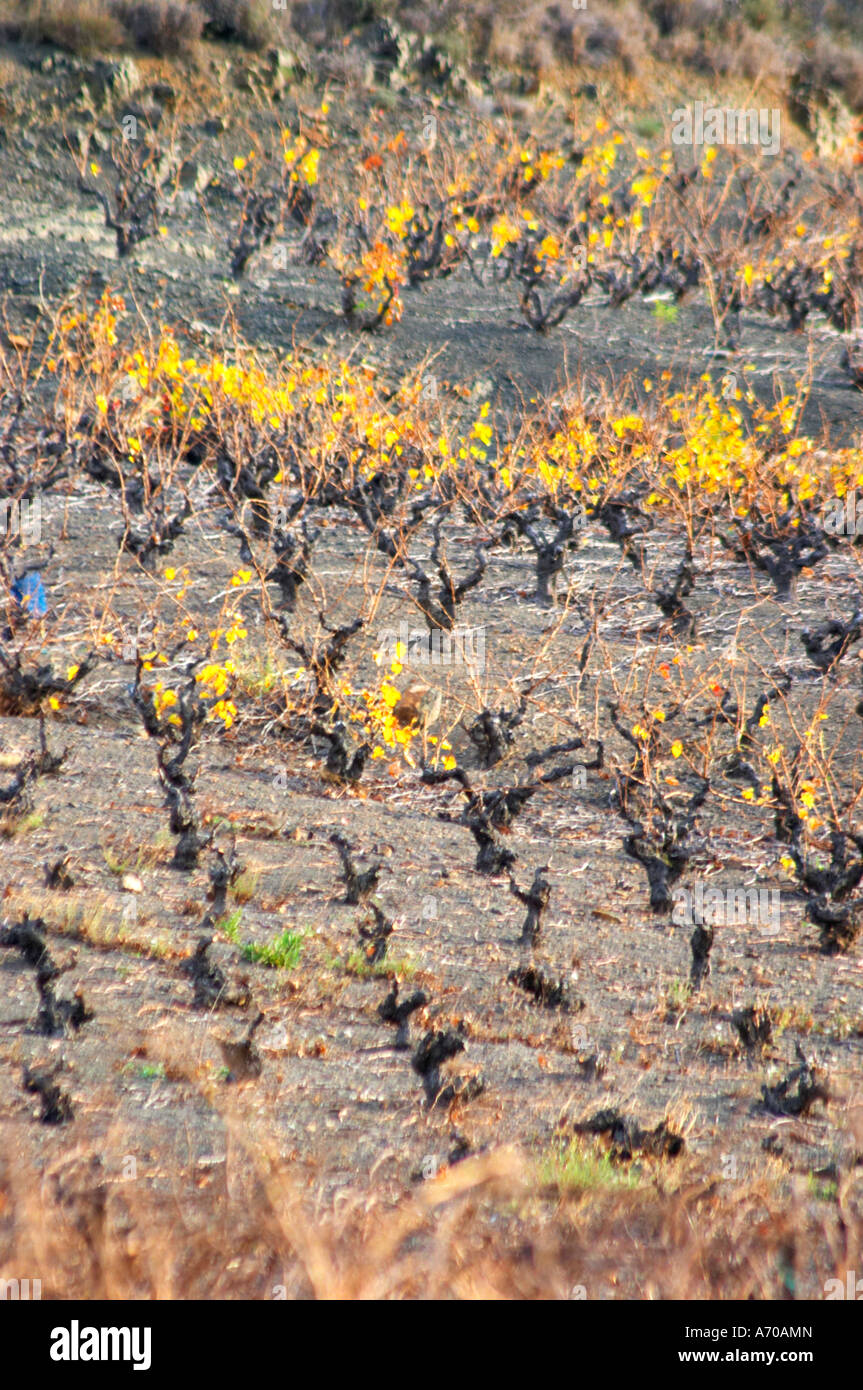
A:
(108, 80)
(194, 175)
(282, 59)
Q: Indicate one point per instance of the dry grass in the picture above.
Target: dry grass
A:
(160, 26)
(79, 26)
(503, 1224)
(480, 1229)
(101, 920)
(163, 27)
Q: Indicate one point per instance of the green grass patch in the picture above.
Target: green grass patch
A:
(357, 964)
(146, 1071)
(678, 996)
(663, 312)
(570, 1167)
(12, 825)
(822, 1189)
(230, 926)
(282, 954)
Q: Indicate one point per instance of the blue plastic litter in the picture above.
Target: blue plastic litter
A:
(29, 591)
